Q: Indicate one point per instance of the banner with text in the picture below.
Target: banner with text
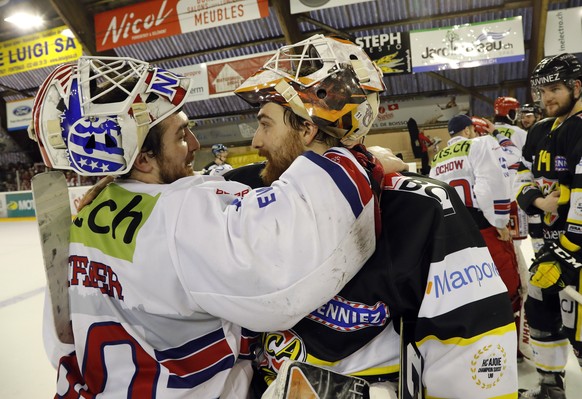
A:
(19, 204)
(220, 78)
(298, 6)
(39, 50)
(390, 51)
(468, 45)
(563, 31)
(154, 19)
(19, 114)
(426, 111)
(199, 76)
(225, 76)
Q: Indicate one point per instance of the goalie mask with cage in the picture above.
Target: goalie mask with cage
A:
(328, 81)
(92, 116)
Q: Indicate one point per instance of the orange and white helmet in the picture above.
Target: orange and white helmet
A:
(76, 128)
(326, 80)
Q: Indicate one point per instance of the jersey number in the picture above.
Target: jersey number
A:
(466, 191)
(109, 343)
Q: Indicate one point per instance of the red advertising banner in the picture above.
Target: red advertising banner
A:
(154, 19)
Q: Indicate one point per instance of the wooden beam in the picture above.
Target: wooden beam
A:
(289, 22)
(327, 28)
(81, 23)
(538, 33)
(24, 93)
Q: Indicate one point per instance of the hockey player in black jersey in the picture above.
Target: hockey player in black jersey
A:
(431, 267)
(550, 180)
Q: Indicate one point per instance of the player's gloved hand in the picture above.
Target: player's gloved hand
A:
(554, 268)
(372, 165)
(375, 172)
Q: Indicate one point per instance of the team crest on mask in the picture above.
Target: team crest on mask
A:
(95, 145)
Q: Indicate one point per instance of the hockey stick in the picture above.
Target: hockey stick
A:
(411, 364)
(572, 293)
(53, 213)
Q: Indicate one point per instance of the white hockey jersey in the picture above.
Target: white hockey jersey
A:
(517, 136)
(476, 168)
(512, 139)
(165, 280)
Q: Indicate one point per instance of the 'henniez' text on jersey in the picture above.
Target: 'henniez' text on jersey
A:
(167, 280)
(430, 264)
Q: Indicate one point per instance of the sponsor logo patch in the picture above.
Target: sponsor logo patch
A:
(561, 163)
(342, 315)
(488, 366)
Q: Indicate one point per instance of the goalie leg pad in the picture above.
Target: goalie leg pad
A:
(297, 380)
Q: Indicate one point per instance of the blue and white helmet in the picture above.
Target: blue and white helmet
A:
(76, 128)
(218, 148)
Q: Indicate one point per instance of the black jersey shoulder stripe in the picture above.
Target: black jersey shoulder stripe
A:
(479, 317)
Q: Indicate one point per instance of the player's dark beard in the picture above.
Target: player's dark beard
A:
(279, 160)
(170, 173)
(566, 109)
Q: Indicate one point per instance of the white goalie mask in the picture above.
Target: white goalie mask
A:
(92, 116)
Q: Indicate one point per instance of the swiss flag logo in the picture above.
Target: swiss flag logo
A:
(392, 107)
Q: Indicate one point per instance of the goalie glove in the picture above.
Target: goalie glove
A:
(554, 268)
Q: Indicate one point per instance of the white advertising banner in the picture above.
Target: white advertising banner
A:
(196, 14)
(221, 78)
(468, 45)
(19, 114)
(199, 76)
(298, 6)
(425, 110)
(563, 31)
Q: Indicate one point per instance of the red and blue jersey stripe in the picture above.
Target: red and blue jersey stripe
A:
(197, 361)
(347, 175)
(501, 207)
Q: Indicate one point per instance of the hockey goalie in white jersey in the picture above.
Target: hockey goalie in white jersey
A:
(158, 309)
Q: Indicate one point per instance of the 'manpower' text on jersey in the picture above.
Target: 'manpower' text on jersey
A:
(430, 265)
